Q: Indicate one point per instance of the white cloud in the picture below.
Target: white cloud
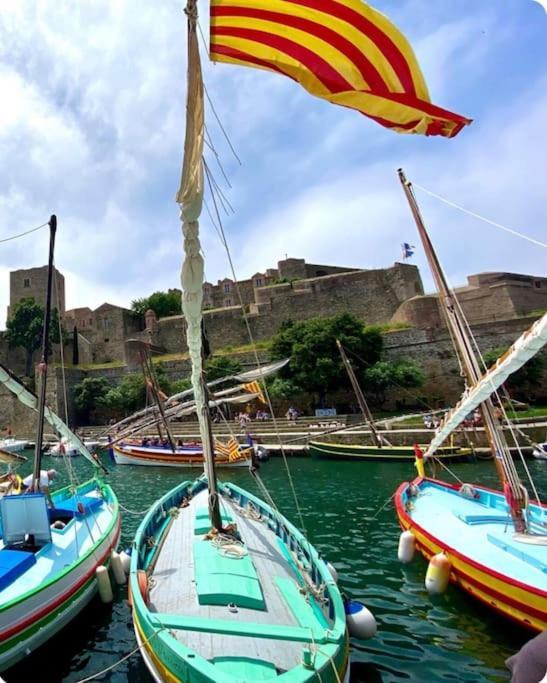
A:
(92, 124)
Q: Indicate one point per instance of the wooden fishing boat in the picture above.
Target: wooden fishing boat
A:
(223, 587)
(259, 604)
(131, 454)
(49, 556)
(381, 448)
(493, 544)
(44, 585)
(339, 451)
(470, 526)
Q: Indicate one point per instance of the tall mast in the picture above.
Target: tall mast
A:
(42, 366)
(190, 199)
(513, 488)
(365, 410)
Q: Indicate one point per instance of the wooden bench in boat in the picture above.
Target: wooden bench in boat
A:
(245, 629)
(486, 518)
(517, 552)
(222, 579)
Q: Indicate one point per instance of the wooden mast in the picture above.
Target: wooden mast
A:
(365, 410)
(190, 199)
(513, 489)
(42, 366)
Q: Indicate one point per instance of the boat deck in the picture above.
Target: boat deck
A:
(175, 580)
(67, 545)
(482, 530)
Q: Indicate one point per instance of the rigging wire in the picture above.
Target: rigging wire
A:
(510, 468)
(209, 142)
(22, 234)
(222, 236)
(481, 218)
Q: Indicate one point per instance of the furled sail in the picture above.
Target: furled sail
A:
(27, 398)
(526, 346)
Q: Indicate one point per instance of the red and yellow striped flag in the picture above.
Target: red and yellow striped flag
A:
(254, 388)
(343, 51)
(231, 450)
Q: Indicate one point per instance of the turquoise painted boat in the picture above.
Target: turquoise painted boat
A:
(51, 544)
(44, 584)
(257, 605)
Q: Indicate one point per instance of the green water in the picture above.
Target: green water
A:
(449, 638)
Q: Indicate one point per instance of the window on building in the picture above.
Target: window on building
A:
(106, 340)
(26, 282)
(537, 283)
(228, 302)
(91, 321)
(258, 282)
(227, 287)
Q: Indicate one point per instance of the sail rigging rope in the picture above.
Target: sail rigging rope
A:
(255, 353)
(481, 218)
(22, 234)
(506, 456)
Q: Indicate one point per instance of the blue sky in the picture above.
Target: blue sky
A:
(92, 122)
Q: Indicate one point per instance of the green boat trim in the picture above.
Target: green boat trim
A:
(324, 640)
(60, 495)
(336, 451)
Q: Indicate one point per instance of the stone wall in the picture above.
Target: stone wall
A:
(372, 295)
(432, 350)
(102, 340)
(487, 297)
(32, 282)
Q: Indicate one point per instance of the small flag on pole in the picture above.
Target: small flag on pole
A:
(408, 249)
(254, 388)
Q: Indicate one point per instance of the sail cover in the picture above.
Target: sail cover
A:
(25, 396)
(526, 346)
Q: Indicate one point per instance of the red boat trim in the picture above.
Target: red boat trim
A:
(21, 626)
(491, 572)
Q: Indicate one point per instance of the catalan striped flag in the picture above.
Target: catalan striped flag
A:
(343, 51)
(229, 450)
(254, 388)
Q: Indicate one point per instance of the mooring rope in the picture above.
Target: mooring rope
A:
(123, 659)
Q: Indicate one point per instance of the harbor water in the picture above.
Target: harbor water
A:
(348, 516)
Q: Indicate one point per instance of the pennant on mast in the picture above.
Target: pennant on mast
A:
(343, 51)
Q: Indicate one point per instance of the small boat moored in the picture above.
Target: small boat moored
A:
(338, 451)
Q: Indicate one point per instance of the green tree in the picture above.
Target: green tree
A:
(162, 303)
(385, 375)
(282, 388)
(222, 366)
(520, 383)
(25, 329)
(128, 396)
(316, 365)
(163, 380)
(89, 395)
(180, 385)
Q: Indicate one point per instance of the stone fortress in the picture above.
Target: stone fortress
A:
(499, 306)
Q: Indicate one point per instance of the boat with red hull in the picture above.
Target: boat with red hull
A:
(491, 565)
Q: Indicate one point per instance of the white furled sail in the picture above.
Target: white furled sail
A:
(190, 200)
(526, 346)
(27, 398)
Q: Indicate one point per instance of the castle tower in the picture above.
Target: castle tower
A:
(32, 283)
